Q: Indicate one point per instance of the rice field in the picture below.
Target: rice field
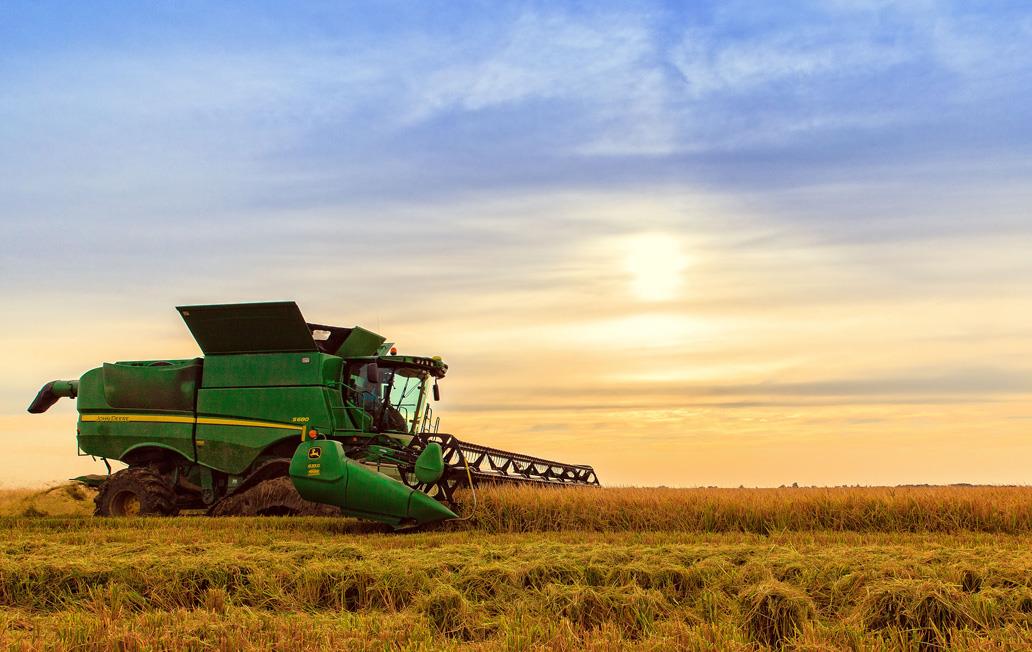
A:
(919, 568)
(759, 511)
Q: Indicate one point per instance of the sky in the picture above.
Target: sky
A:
(703, 243)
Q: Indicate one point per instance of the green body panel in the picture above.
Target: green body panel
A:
(116, 441)
(232, 449)
(323, 474)
(113, 432)
(290, 406)
(278, 413)
(155, 385)
(271, 370)
(295, 390)
(282, 394)
(91, 393)
(162, 385)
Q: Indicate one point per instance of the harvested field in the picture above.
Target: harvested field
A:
(312, 583)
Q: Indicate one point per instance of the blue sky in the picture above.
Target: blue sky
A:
(732, 95)
(494, 170)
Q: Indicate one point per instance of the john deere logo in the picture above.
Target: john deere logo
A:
(314, 453)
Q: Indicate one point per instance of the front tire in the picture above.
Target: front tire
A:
(136, 491)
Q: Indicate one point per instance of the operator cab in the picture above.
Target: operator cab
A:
(388, 391)
(394, 390)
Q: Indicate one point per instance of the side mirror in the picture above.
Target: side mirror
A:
(373, 374)
(437, 392)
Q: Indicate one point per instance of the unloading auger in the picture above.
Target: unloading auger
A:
(282, 417)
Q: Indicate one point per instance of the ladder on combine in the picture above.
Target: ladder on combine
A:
(464, 462)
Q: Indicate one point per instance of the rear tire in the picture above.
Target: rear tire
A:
(274, 497)
(136, 491)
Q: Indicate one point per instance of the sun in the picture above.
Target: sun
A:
(655, 264)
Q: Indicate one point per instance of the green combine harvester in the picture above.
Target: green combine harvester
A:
(282, 417)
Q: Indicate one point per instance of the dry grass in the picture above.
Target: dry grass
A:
(775, 612)
(292, 584)
(71, 499)
(763, 511)
(659, 569)
(514, 509)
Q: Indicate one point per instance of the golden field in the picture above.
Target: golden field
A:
(817, 569)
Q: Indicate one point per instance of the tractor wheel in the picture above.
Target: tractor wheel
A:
(274, 497)
(136, 491)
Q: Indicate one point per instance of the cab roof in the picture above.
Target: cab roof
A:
(435, 366)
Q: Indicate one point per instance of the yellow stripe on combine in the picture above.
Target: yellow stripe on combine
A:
(207, 421)
(150, 418)
(214, 421)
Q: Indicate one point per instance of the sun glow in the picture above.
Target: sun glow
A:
(655, 263)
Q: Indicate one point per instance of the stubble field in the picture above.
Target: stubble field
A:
(815, 569)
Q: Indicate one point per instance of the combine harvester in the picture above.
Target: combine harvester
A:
(282, 417)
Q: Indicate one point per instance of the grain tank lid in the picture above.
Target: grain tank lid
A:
(276, 327)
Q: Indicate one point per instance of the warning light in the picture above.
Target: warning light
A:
(394, 350)
(313, 433)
